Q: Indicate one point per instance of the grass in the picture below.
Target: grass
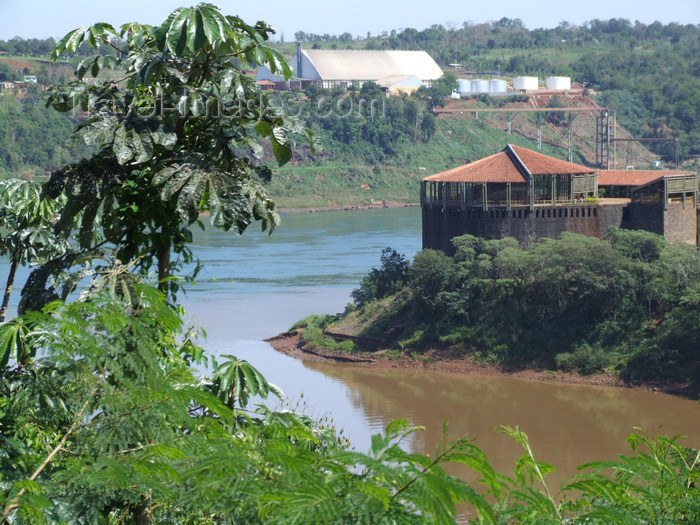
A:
(313, 334)
(459, 139)
(338, 184)
(41, 60)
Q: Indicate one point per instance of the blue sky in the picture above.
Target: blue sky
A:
(44, 18)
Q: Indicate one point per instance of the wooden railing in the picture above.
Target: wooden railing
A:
(688, 199)
(504, 203)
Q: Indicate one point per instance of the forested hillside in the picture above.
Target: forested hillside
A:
(648, 74)
(33, 139)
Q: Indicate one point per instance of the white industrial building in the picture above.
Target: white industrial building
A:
(345, 68)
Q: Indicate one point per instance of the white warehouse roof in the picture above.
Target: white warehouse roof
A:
(366, 65)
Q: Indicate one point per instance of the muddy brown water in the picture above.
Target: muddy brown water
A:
(567, 425)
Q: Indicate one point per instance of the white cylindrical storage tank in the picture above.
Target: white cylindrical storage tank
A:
(464, 86)
(525, 83)
(497, 86)
(480, 86)
(558, 82)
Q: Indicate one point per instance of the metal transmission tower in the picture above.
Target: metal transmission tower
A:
(571, 152)
(602, 140)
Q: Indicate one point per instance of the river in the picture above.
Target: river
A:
(255, 286)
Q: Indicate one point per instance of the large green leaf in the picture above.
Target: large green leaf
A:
(215, 25)
(278, 138)
(236, 380)
(280, 145)
(121, 145)
(277, 64)
(92, 35)
(176, 34)
(98, 130)
(192, 29)
(13, 341)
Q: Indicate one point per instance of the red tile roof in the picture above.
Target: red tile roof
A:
(505, 167)
(496, 168)
(541, 164)
(634, 177)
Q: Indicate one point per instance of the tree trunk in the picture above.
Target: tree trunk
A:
(8, 289)
(163, 267)
(144, 512)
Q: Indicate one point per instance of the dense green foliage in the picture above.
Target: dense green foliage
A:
(364, 125)
(111, 425)
(34, 47)
(629, 302)
(384, 280)
(33, 139)
(26, 229)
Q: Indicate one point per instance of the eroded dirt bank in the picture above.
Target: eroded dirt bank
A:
(351, 207)
(289, 343)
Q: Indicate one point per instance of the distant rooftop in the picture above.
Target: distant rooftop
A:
(635, 177)
(371, 65)
(510, 165)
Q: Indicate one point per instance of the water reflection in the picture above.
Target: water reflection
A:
(568, 425)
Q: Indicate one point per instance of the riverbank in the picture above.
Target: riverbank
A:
(289, 343)
(373, 206)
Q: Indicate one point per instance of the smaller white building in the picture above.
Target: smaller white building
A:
(397, 84)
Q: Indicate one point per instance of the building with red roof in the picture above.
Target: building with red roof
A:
(527, 195)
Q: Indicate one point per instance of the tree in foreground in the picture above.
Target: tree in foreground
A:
(102, 418)
(26, 234)
(177, 128)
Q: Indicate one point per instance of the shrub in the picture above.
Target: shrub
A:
(384, 280)
(430, 274)
(585, 359)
